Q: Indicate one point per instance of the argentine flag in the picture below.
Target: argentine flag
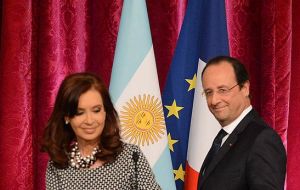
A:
(134, 89)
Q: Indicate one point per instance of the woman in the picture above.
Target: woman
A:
(83, 142)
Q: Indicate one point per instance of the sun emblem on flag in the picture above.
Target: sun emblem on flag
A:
(142, 120)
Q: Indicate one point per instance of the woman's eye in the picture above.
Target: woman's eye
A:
(79, 113)
(97, 110)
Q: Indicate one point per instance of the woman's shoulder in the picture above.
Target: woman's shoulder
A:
(130, 150)
(50, 164)
(51, 169)
(127, 147)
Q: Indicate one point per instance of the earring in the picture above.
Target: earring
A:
(67, 122)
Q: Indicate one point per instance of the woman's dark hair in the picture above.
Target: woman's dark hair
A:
(58, 136)
(240, 71)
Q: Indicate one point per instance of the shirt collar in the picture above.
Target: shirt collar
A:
(229, 128)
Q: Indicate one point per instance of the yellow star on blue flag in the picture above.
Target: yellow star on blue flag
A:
(174, 109)
(179, 173)
(192, 82)
(171, 142)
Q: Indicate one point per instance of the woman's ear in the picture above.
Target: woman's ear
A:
(67, 120)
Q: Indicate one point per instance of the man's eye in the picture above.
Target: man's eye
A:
(208, 93)
(222, 90)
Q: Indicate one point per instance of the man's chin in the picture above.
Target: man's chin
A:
(219, 117)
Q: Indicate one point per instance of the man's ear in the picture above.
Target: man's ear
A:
(246, 88)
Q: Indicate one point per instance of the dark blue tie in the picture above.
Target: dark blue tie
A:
(216, 145)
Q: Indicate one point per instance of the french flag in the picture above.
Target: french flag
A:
(212, 41)
(191, 127)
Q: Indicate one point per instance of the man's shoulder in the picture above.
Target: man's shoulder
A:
(255, 123)
(257, 126)
(258, 130)
(253, 126)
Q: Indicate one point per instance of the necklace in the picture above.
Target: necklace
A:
(78, 161)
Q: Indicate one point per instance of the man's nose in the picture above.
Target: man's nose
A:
(215, 98)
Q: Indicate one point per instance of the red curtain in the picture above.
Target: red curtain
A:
(42, 41)
(293, 135)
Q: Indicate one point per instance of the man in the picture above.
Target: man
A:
(251, 155)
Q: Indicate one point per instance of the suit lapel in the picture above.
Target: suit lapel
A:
(230, 141)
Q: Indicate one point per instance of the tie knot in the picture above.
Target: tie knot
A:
(222, 133)
(218, 139)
